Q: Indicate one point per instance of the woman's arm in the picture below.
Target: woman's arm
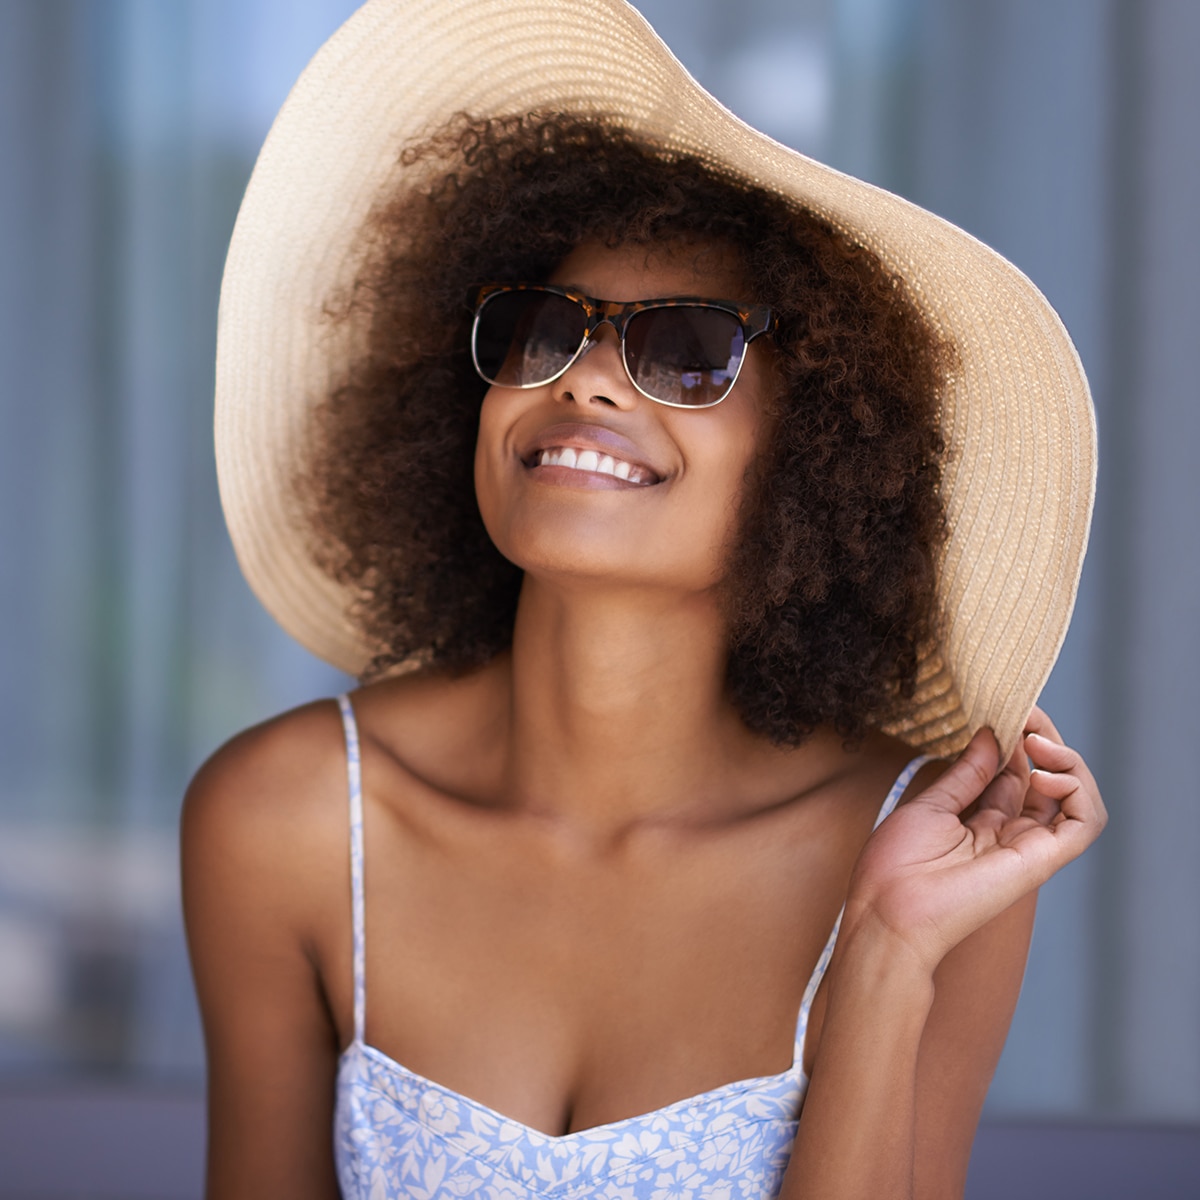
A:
(976, 987)
(253, 862)
(927, 968)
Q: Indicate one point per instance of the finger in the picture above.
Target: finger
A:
(1006, 793)
(1039, 722)
(1051, 785)
(1044, 806)
(1076, 799)
(1050, 754)
(1055, 756)
(1018, 766)
(1078, 823)
(1053, 830)
(967, 778)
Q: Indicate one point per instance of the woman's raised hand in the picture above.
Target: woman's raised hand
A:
(974, 842)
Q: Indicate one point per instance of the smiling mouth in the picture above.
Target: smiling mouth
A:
(594, 462)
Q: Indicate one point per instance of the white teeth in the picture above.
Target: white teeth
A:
(591, 460)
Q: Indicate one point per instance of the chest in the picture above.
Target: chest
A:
(568, 989)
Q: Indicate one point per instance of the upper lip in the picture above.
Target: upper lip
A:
(584, 436)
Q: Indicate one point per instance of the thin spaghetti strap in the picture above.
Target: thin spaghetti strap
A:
(354, 778)
(889, 803)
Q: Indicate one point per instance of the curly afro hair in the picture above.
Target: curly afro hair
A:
(840, 525)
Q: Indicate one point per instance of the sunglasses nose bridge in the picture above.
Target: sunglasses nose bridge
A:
(606, 313)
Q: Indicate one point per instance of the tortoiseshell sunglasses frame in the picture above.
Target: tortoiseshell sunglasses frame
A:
(755, 320)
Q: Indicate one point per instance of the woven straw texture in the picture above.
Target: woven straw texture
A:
(1017, 420)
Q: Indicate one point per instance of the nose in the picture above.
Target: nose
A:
(598, 375)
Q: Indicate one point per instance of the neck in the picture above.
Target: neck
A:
(619, 715)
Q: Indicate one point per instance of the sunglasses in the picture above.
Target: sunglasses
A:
(683, 352)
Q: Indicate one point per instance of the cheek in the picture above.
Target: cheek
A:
(721, 453)
(707, 516)
(489, 456)
(730, 476)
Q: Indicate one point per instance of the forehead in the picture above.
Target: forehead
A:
(637, 272)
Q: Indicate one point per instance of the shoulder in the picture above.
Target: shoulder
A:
(276, 794)
(263, 816)
(271, 774)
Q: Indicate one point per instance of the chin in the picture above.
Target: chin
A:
(570, 558)
(569, 552)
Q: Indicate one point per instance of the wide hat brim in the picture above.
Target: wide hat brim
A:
(1017, 417)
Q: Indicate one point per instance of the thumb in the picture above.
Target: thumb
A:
(961, 784)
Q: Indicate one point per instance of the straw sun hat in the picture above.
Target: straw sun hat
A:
(1017, 418)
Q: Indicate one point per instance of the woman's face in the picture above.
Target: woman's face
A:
(671, 522)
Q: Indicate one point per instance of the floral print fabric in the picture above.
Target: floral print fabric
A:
(399, 1135)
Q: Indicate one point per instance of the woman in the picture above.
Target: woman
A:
(659, 604)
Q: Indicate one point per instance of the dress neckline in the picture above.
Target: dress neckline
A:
(696, 1100)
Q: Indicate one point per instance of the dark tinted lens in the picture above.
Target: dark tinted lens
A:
(684, 355)
(526, 337)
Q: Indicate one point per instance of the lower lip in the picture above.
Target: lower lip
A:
(595, 480)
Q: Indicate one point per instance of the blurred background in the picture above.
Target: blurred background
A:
(1062, 132)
